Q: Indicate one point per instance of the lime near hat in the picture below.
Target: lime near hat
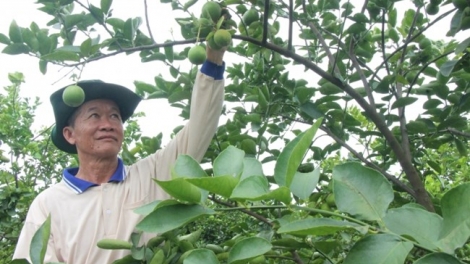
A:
(125, 99)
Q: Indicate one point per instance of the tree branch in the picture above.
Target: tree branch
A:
(147, 21)
(265, 22)
(456, 132)
(291, 24)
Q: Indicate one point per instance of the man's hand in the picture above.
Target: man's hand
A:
(215, 56)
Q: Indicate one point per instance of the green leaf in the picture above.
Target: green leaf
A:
(72, 20)
(229, 162)
(169, 52)
(201, 255)
(43, 66)
(15, 33)
(281, 194)
(311, 110)
(447, 67)
(250, 188)
(164, 219)
(437, 258)
(292, 155)
(105, 5)
(404, 101)
(147, 208)
(462, 46)
(187, 167)
(248, 248)
(15, 49)
(143, 87)
(421, 225)
(461, 147)
(130, 28)
(180, 189)
(38, 248)
(4, 39)
(85, 47)
(432, 103)
(30, 39)
(304, 183)
(97, 13)
(392, 17)
(251, 166)
(116, 23)
(379, 249)
(155, 56)
(361, 191)
(319, 227)
(384, 85)
(61, 55)
(221, 185)
(189, 4)
(456, 214)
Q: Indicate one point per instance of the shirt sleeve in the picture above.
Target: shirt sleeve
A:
(194, 138)
(34, 219)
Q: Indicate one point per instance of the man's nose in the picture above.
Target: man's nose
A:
(107, 124)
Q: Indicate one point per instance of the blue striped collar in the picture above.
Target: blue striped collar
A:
(80, 186)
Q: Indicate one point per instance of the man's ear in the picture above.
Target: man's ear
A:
(68, 134)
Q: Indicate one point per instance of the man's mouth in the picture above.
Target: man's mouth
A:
(107, 138)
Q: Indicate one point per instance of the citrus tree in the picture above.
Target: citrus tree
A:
(355, 142)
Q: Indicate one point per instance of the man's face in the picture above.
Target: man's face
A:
(97, 129)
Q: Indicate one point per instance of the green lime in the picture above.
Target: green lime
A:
(197, 55)
(73, 96)
(211, 10)
(250, 16)
(432, 9)
(222, 37)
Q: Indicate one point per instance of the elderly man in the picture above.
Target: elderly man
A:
(96, 200)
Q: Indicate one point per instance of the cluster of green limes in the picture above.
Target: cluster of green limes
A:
(213, 26)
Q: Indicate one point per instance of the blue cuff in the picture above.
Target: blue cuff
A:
(213, 70)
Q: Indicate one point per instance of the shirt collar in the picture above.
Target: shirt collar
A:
(79, 185)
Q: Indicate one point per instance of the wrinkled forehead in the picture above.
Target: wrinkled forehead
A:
(99, 104)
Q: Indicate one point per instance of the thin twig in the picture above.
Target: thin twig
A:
(147, 21)
(265, 22)
(291, 24)
(412, 38)
(367, 87)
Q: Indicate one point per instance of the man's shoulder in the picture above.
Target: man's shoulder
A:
(53, 190)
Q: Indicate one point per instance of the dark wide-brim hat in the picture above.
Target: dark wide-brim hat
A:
(124, 98)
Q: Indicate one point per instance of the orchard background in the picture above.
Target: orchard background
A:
(343, 138)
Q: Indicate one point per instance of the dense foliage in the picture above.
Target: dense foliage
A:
(369, 149)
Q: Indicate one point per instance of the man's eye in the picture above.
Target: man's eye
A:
(116, 116)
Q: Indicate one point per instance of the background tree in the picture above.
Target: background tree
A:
(390, 101)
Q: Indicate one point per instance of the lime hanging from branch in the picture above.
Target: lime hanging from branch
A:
(211, 10)
(197, 55)
(222, 37)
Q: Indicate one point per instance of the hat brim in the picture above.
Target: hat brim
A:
(124, 98)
